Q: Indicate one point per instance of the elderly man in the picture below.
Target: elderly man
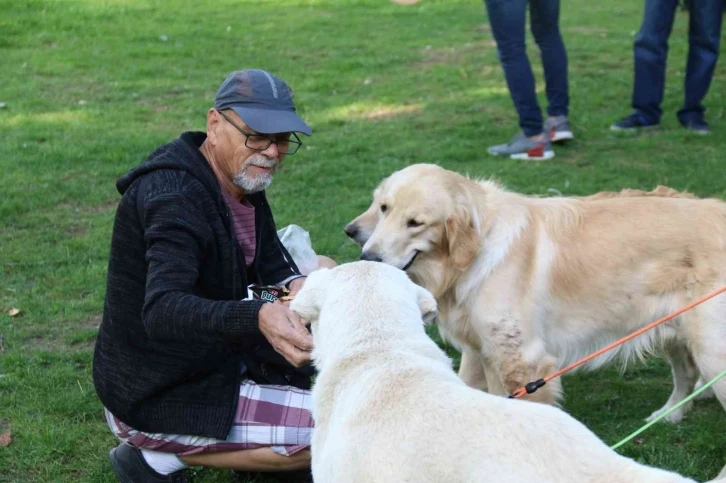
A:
(192, 371)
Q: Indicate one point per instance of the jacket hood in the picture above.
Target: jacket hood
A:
(182, 154)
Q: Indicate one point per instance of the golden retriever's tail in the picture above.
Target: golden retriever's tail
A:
(660, 191)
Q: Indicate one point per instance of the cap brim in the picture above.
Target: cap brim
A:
(270, 121)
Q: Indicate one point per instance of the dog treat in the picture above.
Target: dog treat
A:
(268, 293)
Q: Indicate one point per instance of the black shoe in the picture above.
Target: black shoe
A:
(298, 476)
(131, 467)
(697, 126)
(634, 122)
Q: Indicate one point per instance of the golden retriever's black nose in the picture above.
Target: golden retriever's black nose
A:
(351, 230)
(371, 257)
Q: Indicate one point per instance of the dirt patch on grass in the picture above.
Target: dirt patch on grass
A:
(67, 336)
(153, 105)
(84, 209)
(76, 231)
(44, 344)
(387, 112)
(104, 207)
(93, 321)
(587, 30)
(454, 55)
(74, 175)
(58, 344)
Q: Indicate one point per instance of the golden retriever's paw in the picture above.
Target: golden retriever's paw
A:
(675, 417)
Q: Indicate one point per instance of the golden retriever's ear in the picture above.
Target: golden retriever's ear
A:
(463, 239)
(427, 304)
(310, 298)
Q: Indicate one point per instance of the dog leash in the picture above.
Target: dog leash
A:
(534, 385)
(685, 401)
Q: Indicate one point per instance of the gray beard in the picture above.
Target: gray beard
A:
(253, 184)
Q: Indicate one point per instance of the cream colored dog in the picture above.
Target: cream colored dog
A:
(389, 408)
(526, 285)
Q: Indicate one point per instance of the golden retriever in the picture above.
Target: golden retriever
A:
(389, 408)
(527, 285)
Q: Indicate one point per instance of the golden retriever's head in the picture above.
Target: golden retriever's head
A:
(422, 220)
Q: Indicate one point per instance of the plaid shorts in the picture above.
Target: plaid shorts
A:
(278, 417)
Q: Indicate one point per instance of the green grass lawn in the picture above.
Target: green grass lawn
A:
(90, 87)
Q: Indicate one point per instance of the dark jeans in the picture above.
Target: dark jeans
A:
(651, 50)
(507, 19)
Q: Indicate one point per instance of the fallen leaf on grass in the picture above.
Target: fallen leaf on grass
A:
(5, 439)
(13, 312)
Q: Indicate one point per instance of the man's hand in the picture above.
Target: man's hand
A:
(286, 332)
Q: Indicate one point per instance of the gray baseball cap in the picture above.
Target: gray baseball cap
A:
(262, 100)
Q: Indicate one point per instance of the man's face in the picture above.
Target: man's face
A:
(251, 169)
(256, 173)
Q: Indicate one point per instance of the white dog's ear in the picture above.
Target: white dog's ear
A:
(427, 305)
(462, 236)
(310, 298)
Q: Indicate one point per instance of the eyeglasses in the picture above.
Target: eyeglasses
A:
(259, 142)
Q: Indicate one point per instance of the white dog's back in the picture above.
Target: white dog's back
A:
(419, 423)
(389, 408)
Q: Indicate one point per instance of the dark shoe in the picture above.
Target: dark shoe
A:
(131, 467)
(633, 123)
(697, 127)
(299, 476)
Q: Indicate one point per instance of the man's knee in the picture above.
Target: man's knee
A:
(325, 262)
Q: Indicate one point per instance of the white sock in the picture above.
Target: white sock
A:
(163, 463)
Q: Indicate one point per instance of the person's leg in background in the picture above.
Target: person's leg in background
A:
(650, 52)
(508, 20)
(704, 35)
(544, 16)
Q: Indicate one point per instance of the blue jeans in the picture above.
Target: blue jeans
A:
(507, 19)
(651, 50)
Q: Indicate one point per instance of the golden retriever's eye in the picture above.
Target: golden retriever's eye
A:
(384, 208)
(413, 223)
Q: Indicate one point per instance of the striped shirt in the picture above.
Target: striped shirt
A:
(243, 221)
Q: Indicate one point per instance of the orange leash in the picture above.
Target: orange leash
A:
(533, 386)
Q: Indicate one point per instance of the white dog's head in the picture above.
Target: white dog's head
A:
(358, 301)
(422, 220)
